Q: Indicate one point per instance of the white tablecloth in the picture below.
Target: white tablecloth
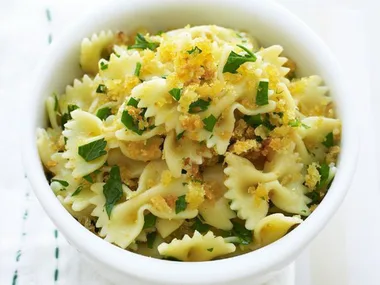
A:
(347, 252)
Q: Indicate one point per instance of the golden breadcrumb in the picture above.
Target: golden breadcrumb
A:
(159, 203)
(143, 150)
(191, 122)
(312, 177)
(166, 177)
(195, 195)
(240, 147)
(332, 155)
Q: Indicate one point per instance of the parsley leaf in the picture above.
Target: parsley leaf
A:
(210, 249)
(234, 60)
(77, 191)
(92, 150)
(262, 93)
(67, 116)
(198, 106)
(180, 204)
(176, 93)
(130, 123)
(210, 122)
(254, 121)
(101, 88)
(103, 65)
(297, 123)
(315, 197)
(244, 235)
(324, 171)
(180, 135)
(62, 182)
(142, 43)
(112, 190)
(150, 238)
(329, 140)
(150, 221)
(88, 178)
(138, 68)
(133, 102)
(195, 49)
(200, 226)
(103, 113)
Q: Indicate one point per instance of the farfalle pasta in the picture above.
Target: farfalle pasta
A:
(192, 144)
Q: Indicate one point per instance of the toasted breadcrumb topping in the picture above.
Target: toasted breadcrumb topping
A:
(312, 177)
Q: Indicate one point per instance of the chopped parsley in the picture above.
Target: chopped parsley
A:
(93, 150)
(234, 60)
(329, 140)
(77, 191)
(195, 50)
(88, 178)
(101, 88)
(67, 116)
(133, 102)
(138, 68)
(315, 197)
(244, 235)
(297, 123)
(103, 65)
(112, 190)
(62, 182)
(176, 93)
(104, 113)
(200, 226)
(254, 121)
(199, 106)
(150, 221)
(209, 123)
(210, 249)
(150, 238)
(142, 43)
(324, 172)
(262, 93)
(131, 123)
(180, 135)
(180, 204)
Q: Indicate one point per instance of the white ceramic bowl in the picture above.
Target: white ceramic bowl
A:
(270, 24)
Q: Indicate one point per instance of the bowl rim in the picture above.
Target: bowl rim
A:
(262, 261)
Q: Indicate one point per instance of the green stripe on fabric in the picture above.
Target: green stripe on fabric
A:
(56, 255)
(56, 275)
(48, 15)
(14, 279)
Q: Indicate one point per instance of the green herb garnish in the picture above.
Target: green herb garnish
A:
(297, 123)
(200, 226)
(101, 88)
(254, 121)
(324, 172)
(234, 60)
(244, 235)
(130, 123)
(180, 135)
(67, 116)
(329, 140)
(62, 182)
(262, 93)
(210, 249)
(88, 178)
(77, 191)
(198, 106)
(180, 204)
(315, 197)
(103, 65)
(176, 93)
(55, 102)
(195, 49)
(209, 123)
(93, 150)
(138, 68)
(133, 102)
(142, 43)
(150, 238)
(112, 190)
(104, 113)
(150, 221)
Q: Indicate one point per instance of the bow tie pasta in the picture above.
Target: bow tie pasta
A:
(192, 145)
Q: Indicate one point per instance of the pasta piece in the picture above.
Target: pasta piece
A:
(272, 228)
(118, 67)
(92, 50)
(318, 128)
(167, 227)
(47, 141)
(83, 129)
(310, 95)
(271, 55)
(132, 168)
(241, 175)
(177, 151)
(215, 210)
(51, 107)
(196, 248)
(142, 150)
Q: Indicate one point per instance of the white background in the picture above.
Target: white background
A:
(347, 252)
